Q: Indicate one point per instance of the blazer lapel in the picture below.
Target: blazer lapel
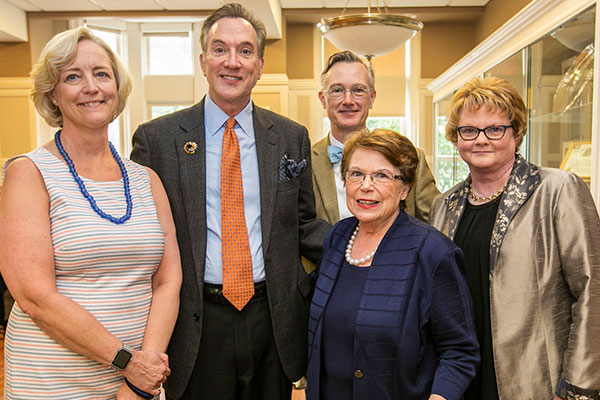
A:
(192, 172)
(325, 179)
(523, 180)
(268, 163)
(456, 205)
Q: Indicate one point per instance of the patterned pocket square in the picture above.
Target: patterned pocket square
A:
(290, 169)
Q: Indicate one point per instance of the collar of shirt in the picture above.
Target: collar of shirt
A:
(215, 118)
(340, 189)
(334, 142)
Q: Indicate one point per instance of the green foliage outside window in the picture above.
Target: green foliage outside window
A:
(451, 169)
(391, 123)
(158, 111)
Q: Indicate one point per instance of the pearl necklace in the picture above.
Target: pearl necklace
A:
(84, 191)
(486, 199)
(351, 260)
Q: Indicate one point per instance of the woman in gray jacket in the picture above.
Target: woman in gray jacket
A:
(530, 237)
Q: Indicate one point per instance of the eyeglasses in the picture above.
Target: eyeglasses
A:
(356, 176)
(338, 91)
(494, 132)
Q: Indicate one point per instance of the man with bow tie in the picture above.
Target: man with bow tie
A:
(347, 93)
(239, 180)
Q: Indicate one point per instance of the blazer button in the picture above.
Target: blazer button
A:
(196, 317)
(358, 374)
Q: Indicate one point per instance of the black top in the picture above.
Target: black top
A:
(338, 333)
(473, 237)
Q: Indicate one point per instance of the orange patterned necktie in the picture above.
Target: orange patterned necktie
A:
(238, 284)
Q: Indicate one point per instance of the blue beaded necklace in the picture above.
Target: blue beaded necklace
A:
(84, 191)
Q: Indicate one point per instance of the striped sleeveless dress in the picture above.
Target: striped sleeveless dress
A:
(104, 267)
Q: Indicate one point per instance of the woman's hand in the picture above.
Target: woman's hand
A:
(124, 393)
(147, 371)
(436, 397)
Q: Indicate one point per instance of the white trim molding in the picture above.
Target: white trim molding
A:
(304, 106)
(595, 184)
(425, 121)
(275, 84)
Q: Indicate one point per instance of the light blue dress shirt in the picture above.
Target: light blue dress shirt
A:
(214, 127)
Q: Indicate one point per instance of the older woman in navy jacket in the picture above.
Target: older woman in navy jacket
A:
(391, 314)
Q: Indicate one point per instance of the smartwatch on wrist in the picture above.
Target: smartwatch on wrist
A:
(122, 357)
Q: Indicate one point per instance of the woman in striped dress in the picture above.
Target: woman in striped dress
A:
(87, 243)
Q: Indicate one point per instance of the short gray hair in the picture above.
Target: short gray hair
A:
(348, 57)
(234, 10)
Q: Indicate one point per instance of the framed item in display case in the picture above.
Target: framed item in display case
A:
(578, 159)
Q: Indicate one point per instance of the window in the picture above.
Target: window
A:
(449, 168)
(111, 37)
(168, 54)
(392, 123)
(160, 110)
(114, 40)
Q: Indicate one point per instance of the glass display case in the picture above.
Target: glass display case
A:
(561, 74)
(554, 74)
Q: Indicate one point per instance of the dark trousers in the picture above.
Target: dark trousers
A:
(238, 359)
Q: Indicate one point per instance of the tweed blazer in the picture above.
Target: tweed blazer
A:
(417, 203)
(414, 333)
(544, 282)
(289, 228)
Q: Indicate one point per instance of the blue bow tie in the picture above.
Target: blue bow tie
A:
(334, 153)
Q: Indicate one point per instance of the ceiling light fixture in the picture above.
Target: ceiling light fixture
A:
(370, 34)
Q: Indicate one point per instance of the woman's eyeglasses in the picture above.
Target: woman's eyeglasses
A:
(494, 132)
(356, 176)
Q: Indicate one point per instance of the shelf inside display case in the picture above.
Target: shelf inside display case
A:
(560, 93)
(566, 117)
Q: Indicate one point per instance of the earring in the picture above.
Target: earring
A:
(55, 105)
(115, 115)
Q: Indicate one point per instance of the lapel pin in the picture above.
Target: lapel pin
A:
(190, 147)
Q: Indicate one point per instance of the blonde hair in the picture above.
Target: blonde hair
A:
(396, 148)
(493, 93)
(58, 53)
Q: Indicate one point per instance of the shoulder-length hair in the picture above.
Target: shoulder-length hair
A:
(58, 53)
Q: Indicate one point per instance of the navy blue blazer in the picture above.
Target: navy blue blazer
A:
(414, 333)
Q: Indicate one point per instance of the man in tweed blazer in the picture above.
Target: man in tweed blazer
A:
(217, 351)
(347, 72)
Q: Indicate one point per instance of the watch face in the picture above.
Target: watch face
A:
(121, 358)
